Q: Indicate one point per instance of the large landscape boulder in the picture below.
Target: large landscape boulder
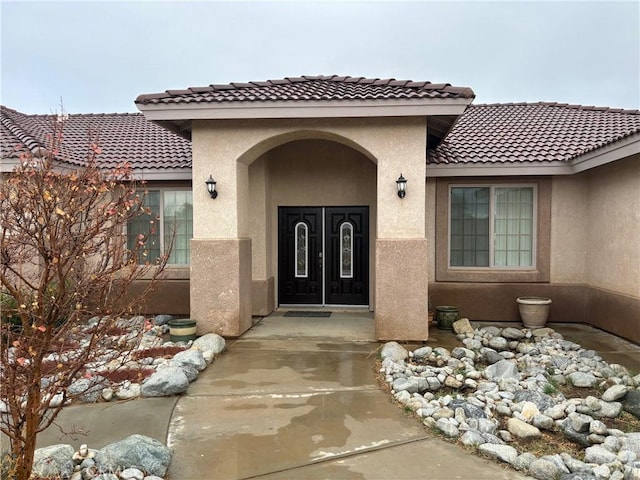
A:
(165, 382)
(53, 462)
(631, 402)
(136, 451)
(394, 351)
(211, 345)
(503, 369)
(192, 358)
(87, 390)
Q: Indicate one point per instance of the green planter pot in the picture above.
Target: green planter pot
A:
(446, 315)
(182, 329)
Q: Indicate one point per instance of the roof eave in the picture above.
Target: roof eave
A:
(622, 148)
(484, 169)
(8, 165)
(168, 174)
(307, 109)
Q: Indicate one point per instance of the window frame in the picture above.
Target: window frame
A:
(542, 237)
(492, 233)
(161, 222)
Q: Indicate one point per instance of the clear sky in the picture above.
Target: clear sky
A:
(99, 56)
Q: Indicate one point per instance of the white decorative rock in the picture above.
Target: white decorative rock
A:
(582, 380)
(128, 391)
(210, 342)
(599, 455)
(522, 429)
(614, 393)
(529, 410)
(394, 351)
(131, 474)
(504, 453)
(504, 369)
(462, 326)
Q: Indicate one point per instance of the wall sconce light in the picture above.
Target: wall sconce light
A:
(211, 187)
(401, 182)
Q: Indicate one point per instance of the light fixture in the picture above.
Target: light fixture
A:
(211, 187)
(401, 182)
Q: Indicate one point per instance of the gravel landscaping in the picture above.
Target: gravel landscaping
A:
(154, 368)
(538, 403)
(501, 394)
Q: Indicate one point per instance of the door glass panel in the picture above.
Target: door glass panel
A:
(346, 250)
(302, 253)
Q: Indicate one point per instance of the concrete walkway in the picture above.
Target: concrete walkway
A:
(297, 398)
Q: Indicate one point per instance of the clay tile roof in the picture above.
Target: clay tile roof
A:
(318, 88)
(121, 137)
(532, 132)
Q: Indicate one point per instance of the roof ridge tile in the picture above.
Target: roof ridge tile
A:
(206, 89)
(223, 86)
(307, 87)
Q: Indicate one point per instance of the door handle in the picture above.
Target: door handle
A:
(320, 259)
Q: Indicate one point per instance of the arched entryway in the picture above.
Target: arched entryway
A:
(263, 165)
(316, 243)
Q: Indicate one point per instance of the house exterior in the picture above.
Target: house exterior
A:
(159, 156)
(500, 201)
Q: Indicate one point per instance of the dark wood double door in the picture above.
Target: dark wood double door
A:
(323, 255)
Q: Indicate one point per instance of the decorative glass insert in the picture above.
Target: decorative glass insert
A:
(346, 250)
(302, 252)
(492, 226)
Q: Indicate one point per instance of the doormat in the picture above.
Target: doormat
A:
(303, 313)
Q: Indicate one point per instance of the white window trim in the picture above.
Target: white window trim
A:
(492, 187)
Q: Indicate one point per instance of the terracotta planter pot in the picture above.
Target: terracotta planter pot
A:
(534, 311)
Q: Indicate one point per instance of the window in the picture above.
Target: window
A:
(171, 220)
(492, 226)
(302, 260)
(346, 250)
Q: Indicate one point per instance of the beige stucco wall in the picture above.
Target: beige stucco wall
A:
(397, 145)
(613, 229)
(430, 225)
(259, 228)
(594, 247)
(267, 163)
(569, 221)
(595, 237)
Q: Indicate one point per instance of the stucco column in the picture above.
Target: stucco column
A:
(262, 284)
(220, 249)
(401, 307)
